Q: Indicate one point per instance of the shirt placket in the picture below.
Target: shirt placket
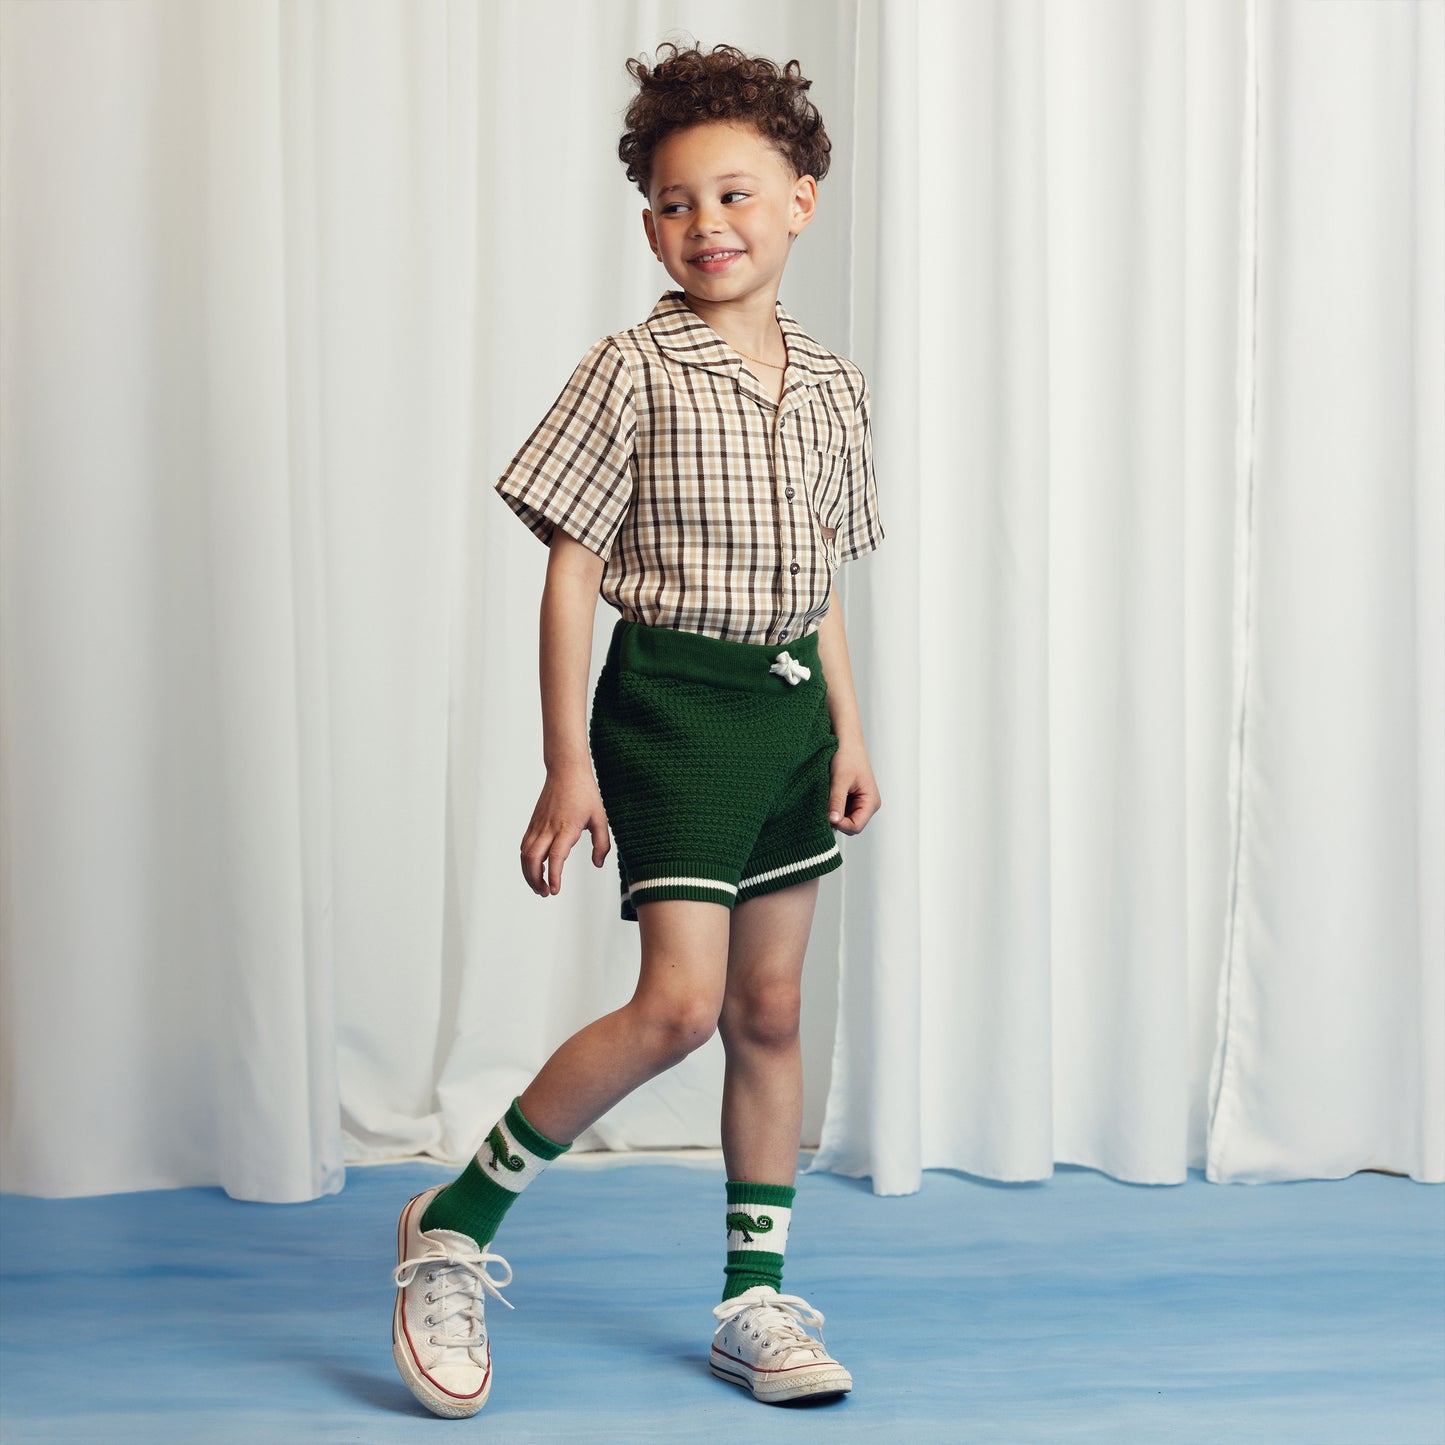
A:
(784, 494)
(787, 488)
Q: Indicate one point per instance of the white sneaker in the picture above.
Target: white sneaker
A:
(438, 1335)
(761, 1344)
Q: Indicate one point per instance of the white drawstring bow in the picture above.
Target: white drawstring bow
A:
(790, 669)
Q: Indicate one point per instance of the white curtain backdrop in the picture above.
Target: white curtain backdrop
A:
(1152, 663)
(1158, 662)
(284, 287)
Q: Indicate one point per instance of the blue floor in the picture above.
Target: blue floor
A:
(1080, 1309)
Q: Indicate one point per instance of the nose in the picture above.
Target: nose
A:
(707, 218)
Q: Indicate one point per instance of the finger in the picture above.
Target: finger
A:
(537, 859)
(864, 807)
(837, 803)
(847, 817)
(561, 847)
(601, 842)
(531, 864)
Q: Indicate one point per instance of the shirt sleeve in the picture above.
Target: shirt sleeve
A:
(862, 528)
(575, 471)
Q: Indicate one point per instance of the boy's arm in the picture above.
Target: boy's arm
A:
(853, 798)
(570, 803)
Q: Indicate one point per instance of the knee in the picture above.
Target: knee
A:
(765, 1017)
(675, 1026)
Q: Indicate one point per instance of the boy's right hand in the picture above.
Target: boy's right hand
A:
(570, 805)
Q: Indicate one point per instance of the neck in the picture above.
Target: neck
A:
(749, 326)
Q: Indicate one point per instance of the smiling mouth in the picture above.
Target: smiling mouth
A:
(714, 256)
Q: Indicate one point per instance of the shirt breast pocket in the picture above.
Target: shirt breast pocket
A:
(825, 475)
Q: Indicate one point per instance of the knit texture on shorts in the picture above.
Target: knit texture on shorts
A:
(714, 771)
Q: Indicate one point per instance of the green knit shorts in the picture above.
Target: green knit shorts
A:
(714, 768)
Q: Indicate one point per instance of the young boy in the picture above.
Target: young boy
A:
(706, 472)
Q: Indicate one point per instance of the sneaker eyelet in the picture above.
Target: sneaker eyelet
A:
(432, 1277)
(429, 1321)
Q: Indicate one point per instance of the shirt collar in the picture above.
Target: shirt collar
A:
(683, 334)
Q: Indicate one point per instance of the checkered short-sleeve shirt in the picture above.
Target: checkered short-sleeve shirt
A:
(715, 510)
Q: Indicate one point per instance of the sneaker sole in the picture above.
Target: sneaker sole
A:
(777, 1387)
(438, 1401)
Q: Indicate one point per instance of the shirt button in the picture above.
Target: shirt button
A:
(795, 569)
(789, 494)
(782, 637)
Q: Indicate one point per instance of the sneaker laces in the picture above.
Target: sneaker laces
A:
(777, 1317)
(464, 1283)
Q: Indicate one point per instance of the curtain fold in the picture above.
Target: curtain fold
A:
(1068, 836)
(1332, 1003)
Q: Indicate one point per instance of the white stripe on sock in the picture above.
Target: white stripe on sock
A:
(494, 1162)
(769, 1227)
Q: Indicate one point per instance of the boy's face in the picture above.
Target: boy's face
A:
(725, 207)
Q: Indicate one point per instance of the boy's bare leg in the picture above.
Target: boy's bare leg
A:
(762, 1110)
(674, 1010)
(762, 1119)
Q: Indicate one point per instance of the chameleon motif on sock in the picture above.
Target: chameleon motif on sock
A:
(745, 1222)
(498, 1144)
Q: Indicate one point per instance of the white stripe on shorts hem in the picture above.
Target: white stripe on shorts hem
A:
(683, 882)
(788, 868)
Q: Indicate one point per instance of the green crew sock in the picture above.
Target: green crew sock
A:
(758, 1216)
(512, 1155)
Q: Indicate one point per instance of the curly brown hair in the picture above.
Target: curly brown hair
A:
(690, 86)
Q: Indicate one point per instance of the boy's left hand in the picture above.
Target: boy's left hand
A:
(853, 797)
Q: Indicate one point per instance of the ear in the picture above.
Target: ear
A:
(805, 204)
(650, 227)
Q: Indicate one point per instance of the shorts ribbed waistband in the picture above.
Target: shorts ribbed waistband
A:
(695, 657)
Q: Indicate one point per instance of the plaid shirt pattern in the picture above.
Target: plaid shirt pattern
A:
(715, 510)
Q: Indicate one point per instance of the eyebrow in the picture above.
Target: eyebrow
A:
(731, 176)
